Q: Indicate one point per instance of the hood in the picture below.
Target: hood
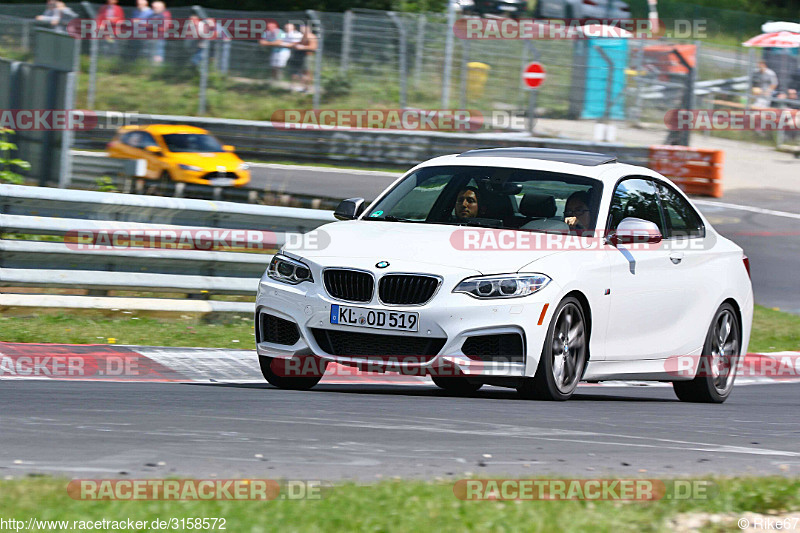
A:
(361, 244)
(207, 161)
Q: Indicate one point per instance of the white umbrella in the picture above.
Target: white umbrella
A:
(780, 39)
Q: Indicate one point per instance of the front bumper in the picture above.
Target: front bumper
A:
(448, 317)
(205, 177)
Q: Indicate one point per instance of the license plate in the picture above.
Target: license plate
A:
(373, 318)
(508, 8)
(221, 182)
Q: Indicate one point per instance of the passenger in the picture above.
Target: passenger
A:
(577, 214)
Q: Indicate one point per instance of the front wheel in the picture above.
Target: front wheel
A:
(717, 369)
(292, 374)
(563, 356)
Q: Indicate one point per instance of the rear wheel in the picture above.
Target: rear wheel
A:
(292, 374)
(456, 385)
(717, 369)
(563, 356)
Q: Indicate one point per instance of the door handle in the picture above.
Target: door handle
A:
(676, 257)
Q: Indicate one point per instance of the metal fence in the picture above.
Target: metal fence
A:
(370, 59)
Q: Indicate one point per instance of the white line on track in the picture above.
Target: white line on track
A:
(758, 210)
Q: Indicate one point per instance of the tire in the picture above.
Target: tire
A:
(269, 365)
(564, 356)
(720, 356)
(456, 385)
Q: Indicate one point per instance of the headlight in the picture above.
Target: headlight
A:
(244, 166)
(191, 167)
(505, 286)
(287, 270)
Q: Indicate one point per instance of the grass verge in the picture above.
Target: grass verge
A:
(772, 330)
(410, 506)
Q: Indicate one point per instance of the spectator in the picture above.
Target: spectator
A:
(307, 46)
(159, 18)
(107, 19)
(274, 38)
(57, 16)
(296, 63)
(109, 15)
(49, 13)
(64, 16)
(200, 45)
(764, 83)
(142, 12)
(789, 100)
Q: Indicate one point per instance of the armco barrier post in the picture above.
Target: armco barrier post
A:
(320, 33)
(401, 29)
(347, 37)
(448, 55)
(419, 48)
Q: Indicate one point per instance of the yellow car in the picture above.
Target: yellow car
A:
(180, 154)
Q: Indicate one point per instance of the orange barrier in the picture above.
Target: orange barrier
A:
(694, 170)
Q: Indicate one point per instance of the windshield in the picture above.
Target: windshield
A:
(192, 142)
(494, 197)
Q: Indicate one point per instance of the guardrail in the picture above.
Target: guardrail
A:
(386, 148)
(28, 213)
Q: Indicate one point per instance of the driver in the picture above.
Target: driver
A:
(576, 211)
(466, 203)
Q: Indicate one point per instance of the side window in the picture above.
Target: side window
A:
(635, 197)
(147, 140)
(128, 138)
(682, 219)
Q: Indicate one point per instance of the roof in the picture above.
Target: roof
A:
(165, 129)
(573, 157)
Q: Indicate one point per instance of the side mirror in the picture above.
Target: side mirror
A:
(633, 230)
(228, 147)
(153, 149)
(349, 209)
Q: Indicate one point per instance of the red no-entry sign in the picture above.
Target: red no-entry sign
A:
(534, 75)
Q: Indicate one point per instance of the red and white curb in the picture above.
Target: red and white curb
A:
(102, 362)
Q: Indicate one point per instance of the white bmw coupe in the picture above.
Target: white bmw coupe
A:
(519, 267)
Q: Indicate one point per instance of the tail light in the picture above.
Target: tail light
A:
(746, 261)
(589, 2)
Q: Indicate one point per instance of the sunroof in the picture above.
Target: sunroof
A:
(589, 159)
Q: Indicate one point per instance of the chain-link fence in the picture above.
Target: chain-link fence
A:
(374, 59)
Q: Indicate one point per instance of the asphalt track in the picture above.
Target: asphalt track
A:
(367, 432)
